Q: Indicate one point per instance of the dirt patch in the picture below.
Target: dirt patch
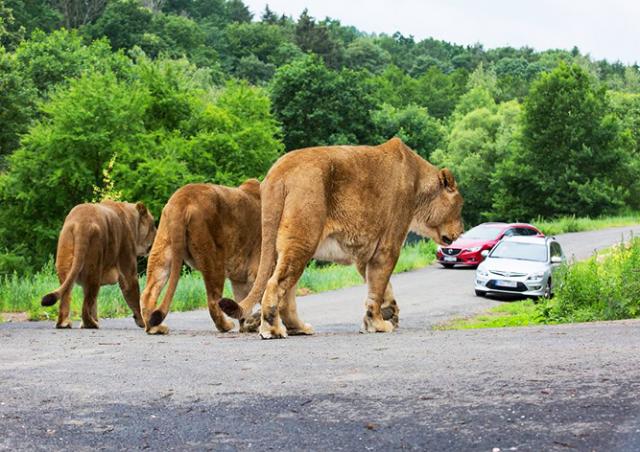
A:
(14, 316)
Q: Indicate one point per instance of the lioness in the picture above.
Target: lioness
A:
(98, 245)
(350, 203)
(216, 230)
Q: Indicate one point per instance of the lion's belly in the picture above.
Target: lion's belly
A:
(330, 250)
(109, 276)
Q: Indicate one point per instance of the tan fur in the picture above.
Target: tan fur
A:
(98, 245)
(216, 230)
(348, 203)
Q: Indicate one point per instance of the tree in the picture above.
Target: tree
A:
(412, 124)
(319, 106)
(574, 159)
(160, 126)
(479, 139)
(363, 53)
(52, 59)
(316, 38)
(439, 92)
(80, 12)
(17, 104)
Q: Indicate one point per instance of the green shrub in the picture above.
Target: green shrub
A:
(605, 287)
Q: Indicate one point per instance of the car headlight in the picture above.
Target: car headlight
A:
(474, 249)
(535, 276)
(482, 272)
(439, 249)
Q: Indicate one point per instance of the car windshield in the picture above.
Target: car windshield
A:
(520, 251)
(483, 232)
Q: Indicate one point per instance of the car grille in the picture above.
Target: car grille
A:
(520, 288)
(507, 274)
(451, 251)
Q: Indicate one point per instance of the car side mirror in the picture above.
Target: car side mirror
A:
(484, 253)
(556, 260)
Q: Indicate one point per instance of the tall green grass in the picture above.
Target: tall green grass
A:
(23, 293)
(604, 287)
(563, 225)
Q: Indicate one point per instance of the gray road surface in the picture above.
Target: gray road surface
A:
(571, 387)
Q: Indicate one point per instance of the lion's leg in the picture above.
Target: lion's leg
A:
(210, 261)
(240, 292)
(91, 288)
(131, 292)
(378, 272)
(293, 255)
(289, 314)
(158, 271)
(64, 318)
(389, 308)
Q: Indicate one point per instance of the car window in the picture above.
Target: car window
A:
(526, 231)
(555, 249)
(482, 232)
(520, 251)
(510, 232)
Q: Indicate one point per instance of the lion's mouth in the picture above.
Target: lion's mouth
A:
(446, 240)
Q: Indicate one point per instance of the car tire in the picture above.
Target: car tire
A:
(548, 293)
(447, 265)
(481, 293)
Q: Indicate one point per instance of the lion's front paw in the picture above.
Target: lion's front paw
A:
(305, 330)
(66, 324)
(158, 329)
(381, 326)
(268, 331)
(226, 326)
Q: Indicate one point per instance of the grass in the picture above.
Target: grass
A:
(604, 287)
(23, 293)
(563, 225)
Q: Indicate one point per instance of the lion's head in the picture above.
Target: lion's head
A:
(439, 210)
(146, 230)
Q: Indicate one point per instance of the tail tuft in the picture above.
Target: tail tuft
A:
(156, 318)
(231, 308)
(49, 299)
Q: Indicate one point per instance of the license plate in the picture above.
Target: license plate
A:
(506, 283)
(450, 259)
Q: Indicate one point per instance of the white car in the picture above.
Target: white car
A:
(520, 265)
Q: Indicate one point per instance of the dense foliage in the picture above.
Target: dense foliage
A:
(135, 98)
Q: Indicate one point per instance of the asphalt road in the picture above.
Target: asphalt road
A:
(570, 387)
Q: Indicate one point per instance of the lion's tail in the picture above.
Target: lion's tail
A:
(81, 237)
(178, 239)
(272, 206)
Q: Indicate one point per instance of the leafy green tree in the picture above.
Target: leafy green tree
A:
(479, 139)
(574, 159)
(319, 106)
(125, 23)
(439, 92)
(17, 104)
(412, 124)
(395, 87)
(11, 33)
(51, 59)
(34, 14)
(364, 53)
(316, 38)
(162, 125)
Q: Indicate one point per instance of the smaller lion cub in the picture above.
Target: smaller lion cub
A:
(99, 245)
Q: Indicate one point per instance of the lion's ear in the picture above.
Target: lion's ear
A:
(141, 208)
(446, 179)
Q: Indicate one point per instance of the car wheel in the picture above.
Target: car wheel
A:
(548, 294)
(447, 265)
(481, 293)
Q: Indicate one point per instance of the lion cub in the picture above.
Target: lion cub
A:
(98, 245)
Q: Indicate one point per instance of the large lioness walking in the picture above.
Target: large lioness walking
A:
(98, 245)
(349, 203)
(215, 230)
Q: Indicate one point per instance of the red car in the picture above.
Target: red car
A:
(466, 251)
